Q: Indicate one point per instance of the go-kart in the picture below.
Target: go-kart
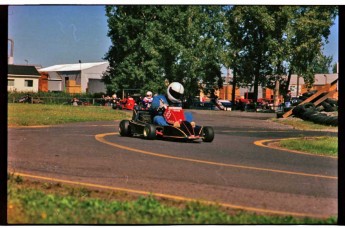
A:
(142, 125)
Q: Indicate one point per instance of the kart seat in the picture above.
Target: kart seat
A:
(144, 116)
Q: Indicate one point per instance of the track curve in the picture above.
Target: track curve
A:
(231, 170)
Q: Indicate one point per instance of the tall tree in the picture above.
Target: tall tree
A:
(248, 41)
(310, 28)
(152, 44)
(335, 68)
(274, 41)
(133, 57)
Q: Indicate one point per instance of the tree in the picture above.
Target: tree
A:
(310, 30)
(273, 41)
(154, 44)
(249, 32)
(133, 57)
(322, 64)
(335, 68)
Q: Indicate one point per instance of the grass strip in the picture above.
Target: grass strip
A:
(33, 202)
(300, 124)
(320, 145)
(41, 114)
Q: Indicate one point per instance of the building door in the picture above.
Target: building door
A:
(66, 81)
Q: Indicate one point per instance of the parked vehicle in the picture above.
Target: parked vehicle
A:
(203, 105)
(226, 104)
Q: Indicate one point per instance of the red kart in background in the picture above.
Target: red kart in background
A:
(125, 103)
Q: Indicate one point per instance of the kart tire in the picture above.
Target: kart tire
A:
(149, 132)
(329, 120)
(280, 115)
(207, 134)
(335, 121)
(303, 98)
(298, 111)
(332, 101)
(124, 128)
(310, 93)
(328, 107)
(307, 114)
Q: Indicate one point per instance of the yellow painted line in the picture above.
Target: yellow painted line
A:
(100, 138)
(262, 143)
(172, 197)
(36, 126)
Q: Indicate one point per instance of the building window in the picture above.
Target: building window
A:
(29, 83)
(10, 82)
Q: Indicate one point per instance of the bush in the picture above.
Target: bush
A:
(56, 97)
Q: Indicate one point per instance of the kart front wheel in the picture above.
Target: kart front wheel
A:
(124, 128)
(149, 131)
(207, 134)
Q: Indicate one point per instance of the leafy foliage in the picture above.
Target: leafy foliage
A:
(156, 44)
(335, 68)
(269, 42)
(153, 45)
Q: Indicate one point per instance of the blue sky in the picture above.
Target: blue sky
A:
(50, 35)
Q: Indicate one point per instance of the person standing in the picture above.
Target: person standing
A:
(148, 99)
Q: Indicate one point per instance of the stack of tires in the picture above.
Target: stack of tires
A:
(329, 105)
(309, 112)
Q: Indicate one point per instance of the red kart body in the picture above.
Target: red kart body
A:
(127, 103)
(174, 114)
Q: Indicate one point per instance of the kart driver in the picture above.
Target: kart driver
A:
(159, 105)
(148, 99)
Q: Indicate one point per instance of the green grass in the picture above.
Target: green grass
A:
(45, 203)
(320, 145)
(303, 125)
(41, 114)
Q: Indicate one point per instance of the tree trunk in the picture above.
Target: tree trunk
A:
(256, 88)
(276, 95)
(288, 82)
(233, 92)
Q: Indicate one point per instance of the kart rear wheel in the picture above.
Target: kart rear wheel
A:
(124, 128)
(149, 131)
(207, 134)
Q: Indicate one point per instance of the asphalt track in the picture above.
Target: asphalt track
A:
(237, 170)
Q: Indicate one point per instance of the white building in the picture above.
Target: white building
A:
(86, 75)
(297, 84)
(22, 78)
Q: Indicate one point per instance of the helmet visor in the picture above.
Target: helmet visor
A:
(175, 94)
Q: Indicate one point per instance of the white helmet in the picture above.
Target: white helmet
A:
(175, 91)
(149, 93)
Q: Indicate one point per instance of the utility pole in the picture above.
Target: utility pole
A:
(10, 58)
(80, 70)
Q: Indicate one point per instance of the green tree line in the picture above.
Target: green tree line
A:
(155, 45)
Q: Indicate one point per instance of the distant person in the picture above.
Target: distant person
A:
(287, 99)
(203, 99)
(75, 101)
(147, 100)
